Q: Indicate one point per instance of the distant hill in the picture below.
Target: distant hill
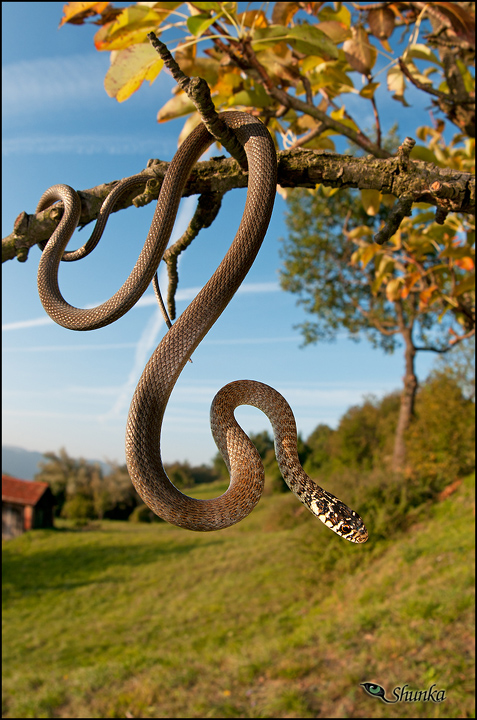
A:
(20, 463)
(23, 464)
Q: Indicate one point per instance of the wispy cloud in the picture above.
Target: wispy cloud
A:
(147, 341)
(74, 348)
(58, 84)
(44, 83)
(150, 335)
(146, 300)
(126, 345)
(24, 324)
(84, 144)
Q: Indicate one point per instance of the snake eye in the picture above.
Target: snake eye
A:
(346, 529)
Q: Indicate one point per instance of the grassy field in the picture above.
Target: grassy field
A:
(275, 617)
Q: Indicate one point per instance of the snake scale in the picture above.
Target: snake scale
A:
(143, 431)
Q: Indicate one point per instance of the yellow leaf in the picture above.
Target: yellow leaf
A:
(371, 200)
(388, 200)
(129, 68)
(326, 191)
(386, 46)
(283, 12)
(189, 125)
(397, 84)
(422, 52)
(255, 18)
(358, 232)
(369, 90)
(176, 107)
(77, 12)
(393, 289)
(368, 253)
(131, 26)
(340, 115)
(359, 52)
(321, 142)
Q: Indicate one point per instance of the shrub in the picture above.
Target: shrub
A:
(440, 442)
(143, 514)
(78, 508)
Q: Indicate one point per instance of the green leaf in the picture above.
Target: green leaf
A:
(311, 40)
(208, 6)
(198, 24)
(468, 284)
(264, 37)
(256, 97)
(420, 152)
(423, 52)
(369, 90)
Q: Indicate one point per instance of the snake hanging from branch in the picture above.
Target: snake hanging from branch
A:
(143, 431)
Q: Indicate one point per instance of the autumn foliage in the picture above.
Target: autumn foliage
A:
(294, 66)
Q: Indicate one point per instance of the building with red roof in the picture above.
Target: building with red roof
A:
(26, 505)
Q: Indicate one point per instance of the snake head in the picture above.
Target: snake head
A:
(339, 517)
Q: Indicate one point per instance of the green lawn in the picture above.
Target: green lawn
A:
(275, 617)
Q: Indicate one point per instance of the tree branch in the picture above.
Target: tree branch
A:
(198, 91)
(291, 101)
(444, 188)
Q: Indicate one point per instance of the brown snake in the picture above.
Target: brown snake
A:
(143, 431)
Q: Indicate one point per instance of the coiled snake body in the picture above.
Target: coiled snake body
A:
(143, 431)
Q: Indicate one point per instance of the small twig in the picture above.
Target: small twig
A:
(441, 215)
(404, 150)
(426, 87)
(308, 89)
(290, 101)
(198, 91)
(401, 209)
(377, 121)
(310, 135)
(207, 209)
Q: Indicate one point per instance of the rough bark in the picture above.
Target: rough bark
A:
(408, 396)
(448, 190)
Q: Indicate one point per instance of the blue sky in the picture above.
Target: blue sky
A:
(72, 390)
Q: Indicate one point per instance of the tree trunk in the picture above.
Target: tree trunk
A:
(406, 410)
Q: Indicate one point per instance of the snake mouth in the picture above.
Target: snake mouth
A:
(359, 535)
(354, 531)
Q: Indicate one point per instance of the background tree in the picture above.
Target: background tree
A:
(76, 484)
(344, 280)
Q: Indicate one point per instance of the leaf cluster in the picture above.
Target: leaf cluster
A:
(267, 61)
(423, 279)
